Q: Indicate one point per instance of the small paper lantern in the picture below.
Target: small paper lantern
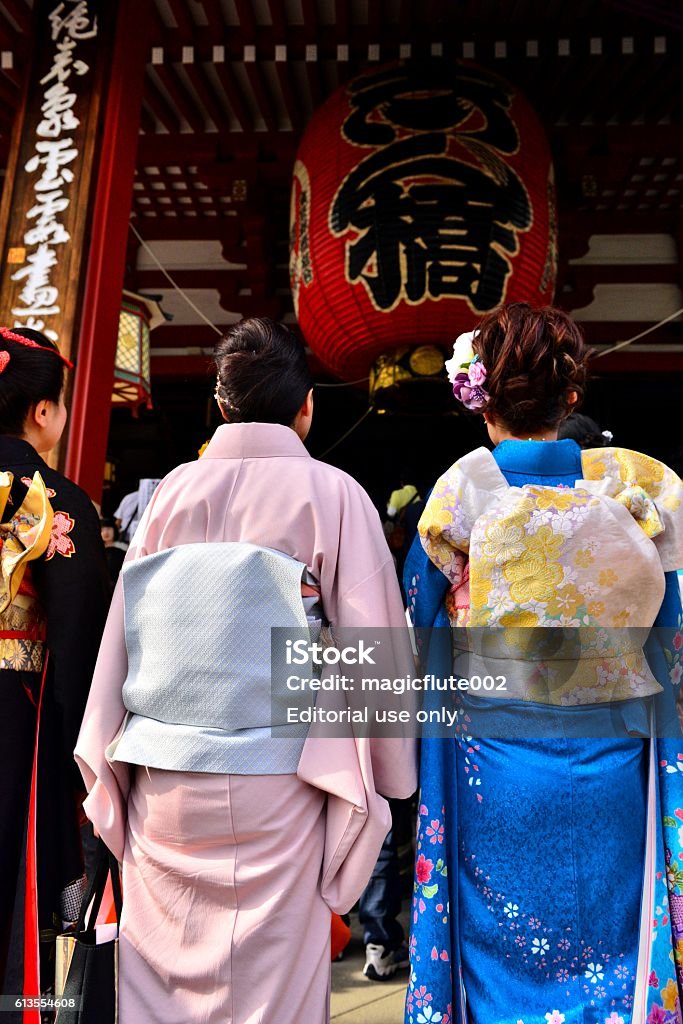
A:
(423, 197)
(132, 384)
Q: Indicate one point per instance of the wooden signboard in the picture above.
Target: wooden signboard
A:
(45, 203)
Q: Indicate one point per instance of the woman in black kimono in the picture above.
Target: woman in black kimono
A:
(54, 594)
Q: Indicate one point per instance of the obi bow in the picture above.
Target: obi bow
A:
(24, 537)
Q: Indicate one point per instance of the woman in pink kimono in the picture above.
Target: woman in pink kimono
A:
(236, 843)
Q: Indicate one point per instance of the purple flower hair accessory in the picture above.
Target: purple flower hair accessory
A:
(467, 374)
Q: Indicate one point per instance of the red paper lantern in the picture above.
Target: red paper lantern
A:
(422, 198)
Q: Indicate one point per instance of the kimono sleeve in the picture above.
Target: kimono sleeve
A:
(651, 491)
(74, 588)
(459, 497)
(367, 595)
(107, 782)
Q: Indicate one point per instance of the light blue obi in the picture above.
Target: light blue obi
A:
(198, 691)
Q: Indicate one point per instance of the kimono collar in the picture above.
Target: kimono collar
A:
(255, 441)
(542, 458)
(15, 451)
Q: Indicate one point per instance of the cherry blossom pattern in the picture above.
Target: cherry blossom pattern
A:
(60, 542)
(435, 831)
(674, 656)
(469, 748)
(48, 490)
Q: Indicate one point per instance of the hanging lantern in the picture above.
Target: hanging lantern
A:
(132, 384)
(422, 198)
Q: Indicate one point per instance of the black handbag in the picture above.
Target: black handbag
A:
(90, 992)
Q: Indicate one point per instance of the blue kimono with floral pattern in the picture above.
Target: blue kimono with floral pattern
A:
(534, 856)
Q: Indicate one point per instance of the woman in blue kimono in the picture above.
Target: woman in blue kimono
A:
(549, 872)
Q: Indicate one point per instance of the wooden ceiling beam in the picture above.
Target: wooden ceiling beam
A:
(9, 94)
(245, 13)
(160, 106)
(20, 13)
(656, 139)
(375, 20)
(327, 37)
(181, 16)
(226, 76)
(206, 147)
(592, 274)
(147, 120)
(228, 281)
(292, 102)
(214, 16)
(609, 332)
(313, 76)
(14, 77)
(201, 84)
(187, 229)
(277, 16)
(184, 103)
(261, 95)
(153, 203)
(310, 14)
(341, 18)
(584, 223)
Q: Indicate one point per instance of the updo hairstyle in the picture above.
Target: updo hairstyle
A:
(262, 373)
(534, 359)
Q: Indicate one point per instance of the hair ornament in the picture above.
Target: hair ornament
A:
(4, 360)
(224, 402)
(467, 373)
(18, 339)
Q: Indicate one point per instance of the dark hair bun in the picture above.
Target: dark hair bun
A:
(534, 359)
(262, 372)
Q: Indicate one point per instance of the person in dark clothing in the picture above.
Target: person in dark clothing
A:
(54, 595)
(114, 550)
(584, 430)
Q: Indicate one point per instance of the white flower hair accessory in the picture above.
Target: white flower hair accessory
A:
(467, 373)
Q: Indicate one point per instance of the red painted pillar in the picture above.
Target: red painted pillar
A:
(113, 192)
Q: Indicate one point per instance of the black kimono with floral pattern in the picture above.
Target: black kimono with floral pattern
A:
(51, 629)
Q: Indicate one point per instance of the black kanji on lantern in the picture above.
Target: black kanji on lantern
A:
(431, 224)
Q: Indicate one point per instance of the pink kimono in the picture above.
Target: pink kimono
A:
(229, 879)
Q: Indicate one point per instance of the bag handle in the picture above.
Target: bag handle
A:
(107, 865)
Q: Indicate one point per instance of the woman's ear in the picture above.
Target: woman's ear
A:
(302, 420)
(572, 399)
(38, 413)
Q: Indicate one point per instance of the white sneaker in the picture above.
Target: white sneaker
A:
(380, 963)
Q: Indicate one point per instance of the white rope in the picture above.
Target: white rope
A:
(345, 383)
(177, 287)
(636, 337)
(349, 431)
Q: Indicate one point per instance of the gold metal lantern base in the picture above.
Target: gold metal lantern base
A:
(412, 381)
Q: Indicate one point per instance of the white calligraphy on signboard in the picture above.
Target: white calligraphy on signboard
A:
(53, 153)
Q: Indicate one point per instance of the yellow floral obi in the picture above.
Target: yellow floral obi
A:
(590, 557)
(24, 537)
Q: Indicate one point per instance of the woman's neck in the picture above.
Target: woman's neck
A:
(502, 434)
